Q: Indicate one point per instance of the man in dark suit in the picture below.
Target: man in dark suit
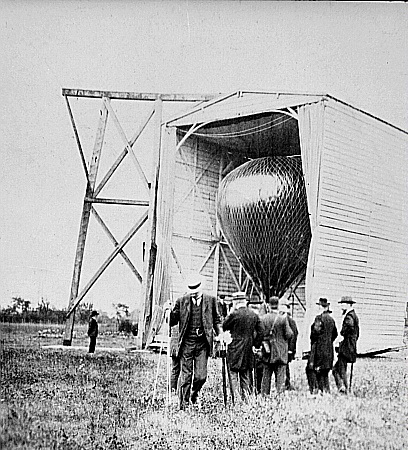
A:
(277, 333)
(291, 344)
(197, 316)
(347, 353)
(246, 332)
(322, 336)
(93, 331)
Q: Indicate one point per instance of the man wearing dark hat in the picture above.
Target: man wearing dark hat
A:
(277, 333)
(246, 332)
(347, 353)
(197, 316)
(93, 331)
(322, 336)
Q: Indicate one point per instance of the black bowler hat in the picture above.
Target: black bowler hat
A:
(94, 313)
(323, 302)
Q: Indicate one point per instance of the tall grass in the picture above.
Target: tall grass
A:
(69, 399)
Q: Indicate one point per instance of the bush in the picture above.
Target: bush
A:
(127, 327)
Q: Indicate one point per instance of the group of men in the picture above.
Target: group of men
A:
(260, 342)
(322, 337)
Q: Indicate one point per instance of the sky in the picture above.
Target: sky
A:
(355, 51)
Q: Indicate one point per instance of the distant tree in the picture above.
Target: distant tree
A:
(83, 312)
(122, 310)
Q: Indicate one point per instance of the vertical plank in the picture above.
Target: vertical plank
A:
(151, 248)
(83, 229)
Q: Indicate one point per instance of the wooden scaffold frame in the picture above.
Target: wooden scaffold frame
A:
(92, 192)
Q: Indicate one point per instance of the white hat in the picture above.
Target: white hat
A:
(194, 283)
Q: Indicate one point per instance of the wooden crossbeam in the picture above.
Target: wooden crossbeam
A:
(117, 201)
(86, 212)
(106, 263)
(229, 267)
(203, 204)
(121, 157)
(116, 243)
(136, 95)
(207, 258)
(129, 148)
(78, 141)
(197, 180)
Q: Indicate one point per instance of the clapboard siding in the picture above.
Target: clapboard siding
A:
(362, 240)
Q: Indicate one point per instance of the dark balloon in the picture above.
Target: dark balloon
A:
(262, 208)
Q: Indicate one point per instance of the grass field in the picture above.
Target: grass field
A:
(66, 398)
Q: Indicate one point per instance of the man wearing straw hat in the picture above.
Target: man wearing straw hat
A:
(347, 353)
(197, 316)
(246, 332)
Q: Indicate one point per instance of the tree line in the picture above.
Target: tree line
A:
(21, 311)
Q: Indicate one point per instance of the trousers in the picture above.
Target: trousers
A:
(92, 344)
(340, 373)
(194, 353)
(175, 372)
(279, 369)
(241, 381)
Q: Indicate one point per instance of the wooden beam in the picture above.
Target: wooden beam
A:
(71, 116)
(117, 201)
(106, 263)
(116, 244)
(151, 247)
(207, 258)
(86, 212)
(229, 267)
(216, 269)
(136, 95)
(121, 157)
(176, 260)
(129, 148)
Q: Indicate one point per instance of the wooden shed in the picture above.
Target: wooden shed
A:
(354, 167)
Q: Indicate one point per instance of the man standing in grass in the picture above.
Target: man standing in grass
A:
(322, 336)
(93, 331)
(197, 316)
(246, 332)
(277, 333)
(291, 346)
(347, 353)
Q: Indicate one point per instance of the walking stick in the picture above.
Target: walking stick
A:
(224, 380)
(157, 373)
(230, 383)
(168, 358)
(351, 376)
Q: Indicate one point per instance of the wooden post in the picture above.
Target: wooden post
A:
(216, 272)
(151, 248)
(86, 212)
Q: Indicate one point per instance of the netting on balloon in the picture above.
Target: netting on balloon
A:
(262, 208)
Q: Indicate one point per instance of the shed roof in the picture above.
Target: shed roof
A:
(241, 104)
(247, 103)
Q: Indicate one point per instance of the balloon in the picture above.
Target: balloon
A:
(263, 214)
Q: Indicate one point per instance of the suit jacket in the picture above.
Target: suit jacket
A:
(323, 334)
(246, 332)
(211, 319)
(92, 327)
(293, 340)
(350, 331)
(277, 333)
